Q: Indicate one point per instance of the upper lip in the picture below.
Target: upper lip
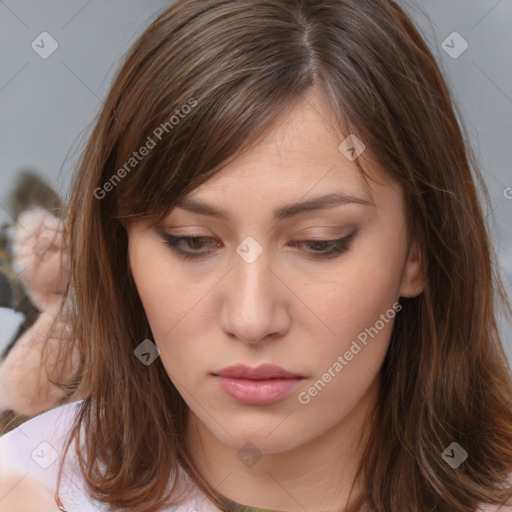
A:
(265, 371)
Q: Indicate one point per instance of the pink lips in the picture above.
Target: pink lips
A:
(263, 385)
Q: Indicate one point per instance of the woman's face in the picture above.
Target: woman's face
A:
(258, 290)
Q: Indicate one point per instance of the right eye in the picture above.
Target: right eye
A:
(192, 242)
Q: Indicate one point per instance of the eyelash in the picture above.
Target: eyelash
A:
(338, 246)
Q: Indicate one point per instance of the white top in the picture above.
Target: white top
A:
(35, 449)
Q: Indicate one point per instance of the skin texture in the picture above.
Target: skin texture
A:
(284, 308)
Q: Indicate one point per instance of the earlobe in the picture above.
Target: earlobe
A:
(412, 279)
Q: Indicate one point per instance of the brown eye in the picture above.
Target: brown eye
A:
(195, 243)
(327, 248)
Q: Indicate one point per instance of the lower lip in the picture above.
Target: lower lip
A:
(257, 392)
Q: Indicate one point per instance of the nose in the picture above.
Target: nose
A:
(255, 303)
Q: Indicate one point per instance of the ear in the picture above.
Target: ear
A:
(412, 277)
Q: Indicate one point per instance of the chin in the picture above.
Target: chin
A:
(269, 436)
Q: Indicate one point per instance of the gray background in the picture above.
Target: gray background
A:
(47, 105)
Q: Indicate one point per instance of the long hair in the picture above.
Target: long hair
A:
(201, 85)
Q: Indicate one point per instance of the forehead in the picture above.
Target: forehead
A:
(299, 158)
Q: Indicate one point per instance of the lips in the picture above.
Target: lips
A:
(263, 385)
(265, 371)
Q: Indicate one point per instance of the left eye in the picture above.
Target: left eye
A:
(319, 248)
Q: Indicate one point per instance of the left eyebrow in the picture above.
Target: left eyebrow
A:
(283, 212)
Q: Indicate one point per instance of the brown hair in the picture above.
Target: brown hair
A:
(204, 82)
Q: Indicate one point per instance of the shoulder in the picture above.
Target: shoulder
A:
(30, 456)
(37, 442)
(31, 442)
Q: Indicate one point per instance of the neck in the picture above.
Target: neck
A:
(318, 475)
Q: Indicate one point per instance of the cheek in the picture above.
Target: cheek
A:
(360, 314)
(150, 271)
(172, 301)
(359, 291)
(357, 303)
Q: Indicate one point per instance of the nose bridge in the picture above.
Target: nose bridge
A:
(251, 309)
(252, 278)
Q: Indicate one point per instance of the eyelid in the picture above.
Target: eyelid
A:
(337, 246)
(339, 231)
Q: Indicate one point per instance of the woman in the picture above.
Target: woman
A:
(282, 282)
